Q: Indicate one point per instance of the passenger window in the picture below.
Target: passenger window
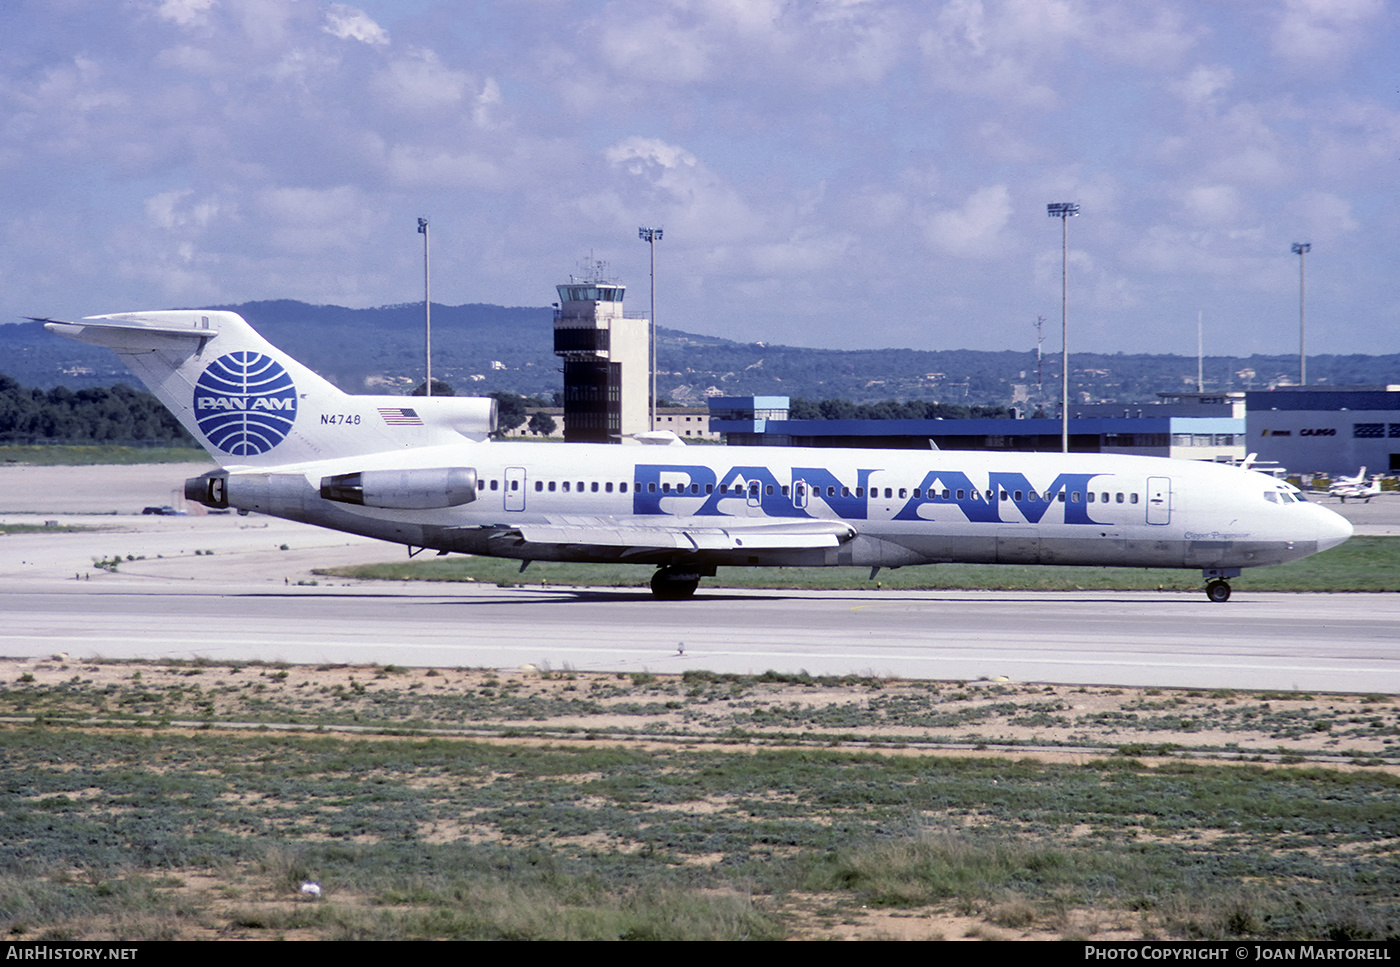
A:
(1132, 498)
(551, 486)
(607, 487)
(493, 484)
(917, 494)
(594, 487)
(785, 490)
(709, 488)
(539, 485)
(622, 487)
(901, 493)
(1018, 495)
(888, 492)
(1073, 498)
(1091, 496)
(960, 494)
(665, 488)
(651, 488)
(831, 492)
(566, 486)
(945, 494)
(1120, 498)
(845, 491)
(1105, 498)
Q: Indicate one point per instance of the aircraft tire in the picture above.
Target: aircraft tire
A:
(666, 585)
(1218, 591)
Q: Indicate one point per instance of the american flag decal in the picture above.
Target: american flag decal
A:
(400, 416)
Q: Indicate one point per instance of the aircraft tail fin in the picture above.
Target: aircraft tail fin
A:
(251, 405)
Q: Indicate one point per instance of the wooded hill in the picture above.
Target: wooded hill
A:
(482, 348)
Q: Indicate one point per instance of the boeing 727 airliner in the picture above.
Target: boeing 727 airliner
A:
(424, 473)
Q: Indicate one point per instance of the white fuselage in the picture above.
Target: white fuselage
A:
(901, 507)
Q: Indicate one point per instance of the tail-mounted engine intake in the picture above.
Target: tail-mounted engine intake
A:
(422, 489)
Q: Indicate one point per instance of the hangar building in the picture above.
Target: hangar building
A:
(1326, 429)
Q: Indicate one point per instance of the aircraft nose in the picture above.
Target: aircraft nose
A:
(1332, 528)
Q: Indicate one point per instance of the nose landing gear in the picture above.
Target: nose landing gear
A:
(1217, 588)
(1218, 591)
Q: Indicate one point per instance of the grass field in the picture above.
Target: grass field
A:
(170, 800)
(1361, 564)
(78, 456)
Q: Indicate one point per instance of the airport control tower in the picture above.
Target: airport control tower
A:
(605, 360)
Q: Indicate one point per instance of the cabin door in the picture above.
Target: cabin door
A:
(515, 488)
(1159, 500)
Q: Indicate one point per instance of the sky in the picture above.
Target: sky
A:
(827, 173)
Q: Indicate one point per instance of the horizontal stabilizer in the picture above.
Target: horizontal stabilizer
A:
(132, 332)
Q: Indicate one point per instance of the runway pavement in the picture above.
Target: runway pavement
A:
(243, 602)
(1263, 641)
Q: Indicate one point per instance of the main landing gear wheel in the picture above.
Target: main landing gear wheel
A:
(1218, 591)
(670, 584)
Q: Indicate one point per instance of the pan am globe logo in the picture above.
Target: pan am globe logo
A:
(245, 403)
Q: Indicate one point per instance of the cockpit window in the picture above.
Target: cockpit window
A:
(1270, 496)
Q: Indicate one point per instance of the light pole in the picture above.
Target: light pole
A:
(1301, 250)
(1064, 210)
(427, 311)
(651, 236)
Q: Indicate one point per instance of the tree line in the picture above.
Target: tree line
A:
(802, 409)
(116, 414)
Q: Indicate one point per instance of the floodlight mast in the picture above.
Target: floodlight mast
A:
(651, 236)
(1301, 250)
(427, 312)
(1064, 211)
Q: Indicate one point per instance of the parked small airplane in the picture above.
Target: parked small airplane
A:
(1356, 487)
(423, 472)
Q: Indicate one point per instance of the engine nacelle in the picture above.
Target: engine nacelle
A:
(419, 489)
(210, 489)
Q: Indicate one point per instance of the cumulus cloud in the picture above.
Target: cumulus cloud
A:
(668, 179)
(310, 220)
(1204, 85)
(186, 13)
(420, 82)
(1324, 31)
(167, 210)
(347, 23)
(1325, 215)
(1213, 204)
(974, 230)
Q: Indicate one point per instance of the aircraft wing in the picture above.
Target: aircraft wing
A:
(721, 535)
